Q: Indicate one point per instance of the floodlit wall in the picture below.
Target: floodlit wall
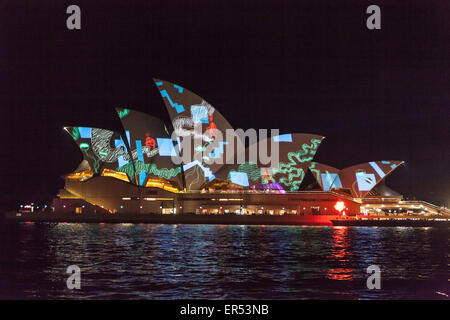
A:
(121, 197)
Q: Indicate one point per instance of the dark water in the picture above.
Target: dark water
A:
(222, 262)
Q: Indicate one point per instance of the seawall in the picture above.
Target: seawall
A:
(319, 220)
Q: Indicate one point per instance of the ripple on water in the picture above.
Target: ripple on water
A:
(222, 262)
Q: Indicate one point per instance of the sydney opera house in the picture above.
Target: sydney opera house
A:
(132, 172)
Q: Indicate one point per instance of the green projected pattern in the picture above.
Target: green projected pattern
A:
(75, 134)
(315, 172)
(293, 172)
(289, 174)
(85, 148)
(150, 147)
(146, 147)
(100, 147)
(150, 168)
(123, 113)
(251, 169)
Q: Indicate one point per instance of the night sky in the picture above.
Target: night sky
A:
(300, 66)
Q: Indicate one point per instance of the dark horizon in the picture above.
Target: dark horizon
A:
(299, 66)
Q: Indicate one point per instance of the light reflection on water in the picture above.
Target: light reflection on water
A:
(127, 261)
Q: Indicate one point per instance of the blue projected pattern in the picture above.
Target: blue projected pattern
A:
(121, 159)
(179, 88)
(145, 163)
(104, 149)
(283, 138)
(218, 151)
(140, 154)
(206, 171)
(330, 180)
(199, 113)
(166, 148)
(239, 178)
(178, 107)
(366, 181)
(189, 112)
(101, 148)
(85, 133)
(358, 179)
(377, 169)
(142, 176)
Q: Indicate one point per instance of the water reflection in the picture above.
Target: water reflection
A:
(341, 244)
(126, 261)
(340, 254)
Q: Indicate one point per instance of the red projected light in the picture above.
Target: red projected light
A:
(339, 206)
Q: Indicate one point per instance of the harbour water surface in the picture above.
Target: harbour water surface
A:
(132, 261)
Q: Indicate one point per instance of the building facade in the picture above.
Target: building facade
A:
(133, 171)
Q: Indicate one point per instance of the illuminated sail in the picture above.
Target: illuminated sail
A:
(151, 147)
(186, 111)
(102, 149)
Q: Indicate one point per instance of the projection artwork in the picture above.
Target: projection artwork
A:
(102, 149)
(290, 174)
(326, 176)
(362, 178)
(151, 147)
(358, 179)
(330, 180)
(145, 149)
(186, 109)
(290, 171)
(365, 181)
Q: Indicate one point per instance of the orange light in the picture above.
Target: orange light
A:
(115, 174)
(162, 184)
(339, 206)
(83, 175)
